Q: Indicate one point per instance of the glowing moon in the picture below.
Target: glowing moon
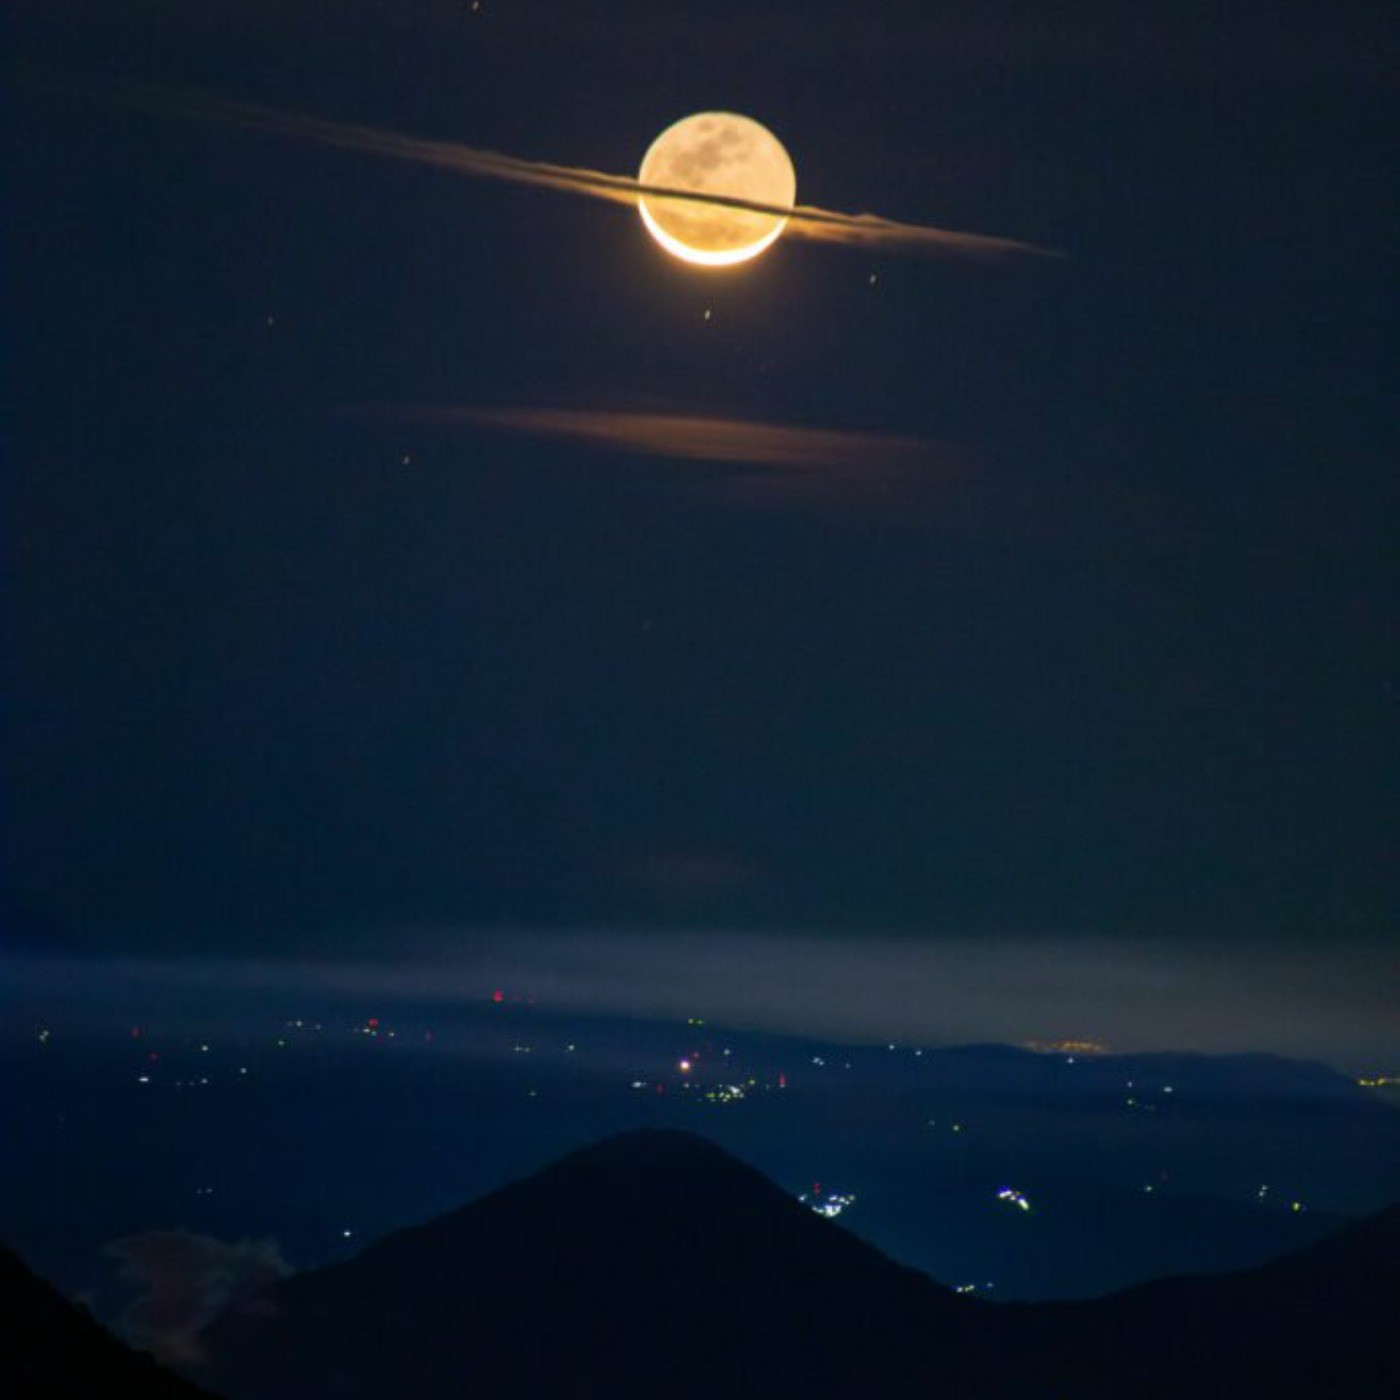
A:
(716, 153)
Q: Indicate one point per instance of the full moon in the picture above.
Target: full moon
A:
(716, 153)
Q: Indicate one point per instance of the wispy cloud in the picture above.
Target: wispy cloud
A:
(756, 464)
(184, 1281)
(805, 221)
(699, 438)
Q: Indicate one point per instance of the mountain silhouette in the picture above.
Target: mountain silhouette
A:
(652, 1265)
(51, 1349)
(655, 1265)
(1317, 1322)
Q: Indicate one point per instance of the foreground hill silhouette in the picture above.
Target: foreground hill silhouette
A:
(1320, 1322)
(656, 1266)
(51, 1349)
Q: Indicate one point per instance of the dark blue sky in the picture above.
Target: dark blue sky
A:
(1117, 658)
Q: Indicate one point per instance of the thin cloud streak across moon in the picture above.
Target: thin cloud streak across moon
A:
(805, 221)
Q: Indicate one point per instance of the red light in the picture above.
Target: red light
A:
(498, 997)
(373, 1023)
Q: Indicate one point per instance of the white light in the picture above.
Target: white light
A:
(834, 1203)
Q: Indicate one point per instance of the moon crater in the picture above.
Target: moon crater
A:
(717, 153)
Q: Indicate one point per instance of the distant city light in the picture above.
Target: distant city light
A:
(727, 1093)
(831, 1204)
(1067, 1047)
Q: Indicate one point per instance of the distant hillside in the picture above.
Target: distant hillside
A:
(51, 1349)
(1137, 1167)
(1320, 1322)
(654, 1266)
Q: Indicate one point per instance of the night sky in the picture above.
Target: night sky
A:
(1025, 664)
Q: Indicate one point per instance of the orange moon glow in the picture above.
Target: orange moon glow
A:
(716, 153)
